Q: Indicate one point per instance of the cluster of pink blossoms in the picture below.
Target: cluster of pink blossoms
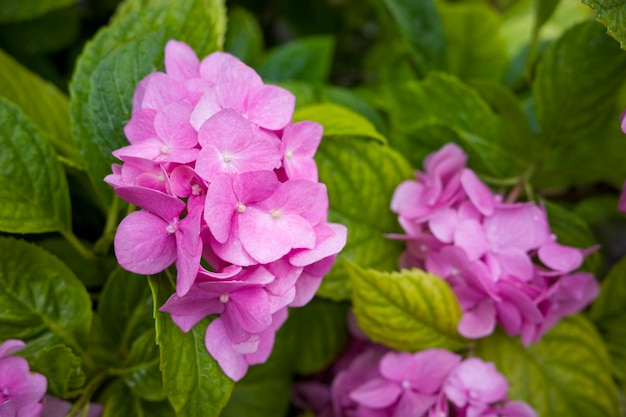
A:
(500, 258)
(21, 391)
(371, 380)
(221, 174)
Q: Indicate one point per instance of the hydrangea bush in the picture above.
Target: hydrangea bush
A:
(389, 208)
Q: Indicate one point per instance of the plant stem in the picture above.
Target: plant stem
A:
(77, 244)
(102, 245)
(87, 393)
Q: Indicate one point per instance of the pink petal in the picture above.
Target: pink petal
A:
(470, 236)
(232, 251)
(376, 393)
(235, 82)
(172, 125)
(187, 311)
(443, 224)
(479, 194)
(621, 206)
(220, 347)
(211, 65)
(480, 321)
(181, 61)
(141, 126)
(220, 206)
(143, 244)
(156, 91)
(330, 240)
(11, 346)
(250, 308)
(271, 107)
(207, 106)
(559, 257)
(522, 225)
(514, 262)
(163, 205)
(414, 404)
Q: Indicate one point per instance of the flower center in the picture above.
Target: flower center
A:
(196, 189)
(275, 214)
(165, 150)
(241, 208)
(289, 154)
(224, 298)
(473, 394)
(228, 158)
(172, 227)
(5, 395)
(406, 384)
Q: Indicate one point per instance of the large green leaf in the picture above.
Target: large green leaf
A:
(339, 121)
(41, 101)
(609, 314)
(192, 380)
(120, 401)
(61, 368)
(566, 374)
(612, 14)
(318, 333)
(244, 37)
(422, 109)
(361, 177)
(15, 10)
(306, 59)
(474, 47)
(421, 31)
(141, 372)
(43, 303)
(576, 84)
(408, 310)
(33, 189)
(125, 307)
(117, 59)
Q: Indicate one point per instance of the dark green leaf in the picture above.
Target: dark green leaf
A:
(117, 59)
(43, 303)
(141, 372)
(244, 37)
(361, 177)
(566, 374)
(612, 14)
(305, 59)
(61, 367)
(125, 307)
(576, 84)
(406, 310)
(15, 10)
(192, 380)
(421, 30)
(318, 333)
(121, 401)
(474, 47)
(543, 11)
(34, 192)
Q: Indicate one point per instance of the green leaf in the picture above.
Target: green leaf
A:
(61, 367)
(345, 164)
(421, 30)
(339, 121)
(192, 380)
(15, 10)
(474, 47)
(43, 303)
(318, 333)
(34, 193)
(609, 313)
(125, 307)
(408, 310)
(114, 62)
(244, 37)
(571, 230)
(612, 14)
(566, 374)
(576, 84)
(442, 101)
(543, 11)
(41, 101)
(141, 372)
(121, 401)
(305, 59)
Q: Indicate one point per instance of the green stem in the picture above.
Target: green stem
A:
(102, 245)
(78, 245)
(87, 393)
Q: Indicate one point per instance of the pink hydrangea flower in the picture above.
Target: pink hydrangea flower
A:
(499, 258)
(229, 193)
(21, 391)
(622, 199)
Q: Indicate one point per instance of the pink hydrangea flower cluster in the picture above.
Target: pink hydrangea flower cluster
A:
(229, 192)
(21, 391)
(501, 259)
(370, 380)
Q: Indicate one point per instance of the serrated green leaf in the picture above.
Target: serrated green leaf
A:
(125, 307)
(16, 10)
(571, 230)
(566, 374)
(608, 312)
(141, 372)
(421, 30)
(61, 368)
(576, 84)
(117, 59)
(305, 59)
(43, 303)
(408, 310)
(42, 102)
(121, 401)
(244, 37)
(361, 177)
(612, 14)
(474, 47)
(34, 193)
(192, 380)
(443, 101)
(318, 333)
(339, 121)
